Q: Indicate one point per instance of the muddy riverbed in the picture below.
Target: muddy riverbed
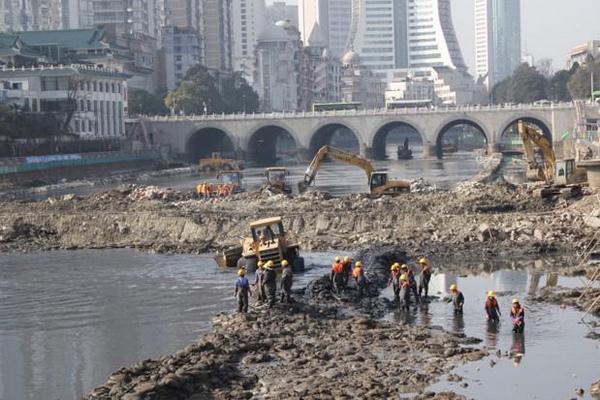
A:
(118, 307)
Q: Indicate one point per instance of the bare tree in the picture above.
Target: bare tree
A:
(544, 66)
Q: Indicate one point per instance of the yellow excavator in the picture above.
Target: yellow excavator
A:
(379, 182)
(561, 176)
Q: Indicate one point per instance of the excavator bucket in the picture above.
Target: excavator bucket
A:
(302, 187)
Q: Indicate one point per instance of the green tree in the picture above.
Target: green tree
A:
(558, 86)
(580, 82)
(140, 101)
(238, 96)
(196, 94)
(527, 85)
(501, 92)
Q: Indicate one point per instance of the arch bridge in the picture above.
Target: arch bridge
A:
(253, 136)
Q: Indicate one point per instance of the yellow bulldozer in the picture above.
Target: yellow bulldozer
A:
(216, 163)
(268, 241)
(379, 181)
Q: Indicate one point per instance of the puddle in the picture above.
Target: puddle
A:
(556, 357)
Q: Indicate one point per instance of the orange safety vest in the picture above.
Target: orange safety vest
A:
(337, 268)
(357, 272)
(208, 189)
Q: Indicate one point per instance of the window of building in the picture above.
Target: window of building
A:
(178, 67)
(177, 49)
(178, 58)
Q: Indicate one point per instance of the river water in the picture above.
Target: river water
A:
(69, 319)
(336, 178)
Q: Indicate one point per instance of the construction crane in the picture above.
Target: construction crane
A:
(561, 176)
(379, 182)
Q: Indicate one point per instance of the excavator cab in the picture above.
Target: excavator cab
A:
(277, 179)
(564, 172)
(378, 179)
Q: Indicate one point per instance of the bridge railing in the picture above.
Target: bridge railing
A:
(364, 112)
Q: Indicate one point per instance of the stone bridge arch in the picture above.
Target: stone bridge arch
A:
(269, 142)
(381, 131)
(335, 132)
(508, 129)
(449, 123)
(204, 140)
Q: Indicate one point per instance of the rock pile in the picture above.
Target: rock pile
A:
(298, 352)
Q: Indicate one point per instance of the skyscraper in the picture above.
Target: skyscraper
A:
(497, 39)
(248, 19)
(217, 34)
(334, 18)
(396, 34)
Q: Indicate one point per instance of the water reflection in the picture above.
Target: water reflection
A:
(493, 329)
(458, 323)
(517, 349)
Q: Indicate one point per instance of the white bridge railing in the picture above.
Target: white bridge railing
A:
(350, 113)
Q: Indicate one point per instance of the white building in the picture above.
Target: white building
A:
(409, 88)
(359, 84)
(401, 34)
(100, 95)
(455, 87)
(248, 19)
(334, 18)
(276, 78)
(497, 39)
(580, 53)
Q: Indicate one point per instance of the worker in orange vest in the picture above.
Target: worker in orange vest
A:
(208, 190)
(347, 264)
(359, 277)
(491, 307)
(337, 275)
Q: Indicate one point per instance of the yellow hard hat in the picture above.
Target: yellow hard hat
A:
(403, 277)
(337, 259)
(358, 264)
(284, 263)
(241, 272)
(269, 264)
(346, 259)
(404, 266)
(261, 264)
(453, 287)
(423, 261)
(395, 267)
(515, 301)
(491, 293)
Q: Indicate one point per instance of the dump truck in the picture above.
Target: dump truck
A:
(276, 180)
(210, 166)
(268, 241)
(379, 181)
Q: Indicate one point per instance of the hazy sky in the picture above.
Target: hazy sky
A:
(550, 28)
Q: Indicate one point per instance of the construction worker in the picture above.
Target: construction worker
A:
(242, 290)
(458, 300)
(491, 307)
(412, 281)
(359, 278)
(258, 281)
(517, 315)
(347, 270)
(208, 189)
(270, 283)
(404, 292)
(287, 278)
(425, 277)
(337, 275)
(395, 280)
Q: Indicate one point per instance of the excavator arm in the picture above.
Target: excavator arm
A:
(530, 138)
(335, 154)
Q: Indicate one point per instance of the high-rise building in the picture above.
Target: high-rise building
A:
(334, 18)
(248, 18)
(277, 79)
(127, 16)
(280, 11)
(217, 34)
(397, 34)
(180, 51)
(497, 39)
(183, 14)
